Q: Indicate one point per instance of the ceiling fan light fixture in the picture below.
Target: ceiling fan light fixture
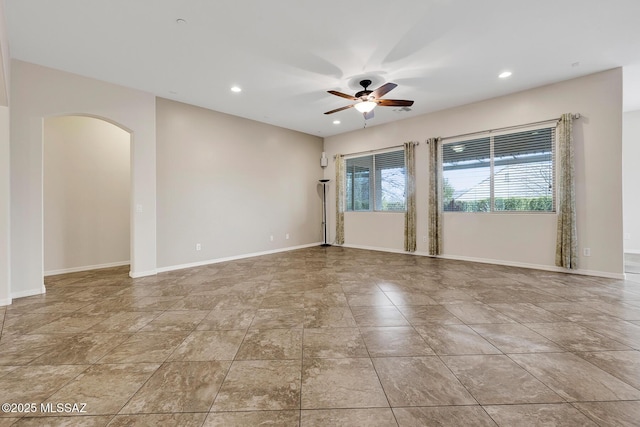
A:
(366, 100)
(365, 107)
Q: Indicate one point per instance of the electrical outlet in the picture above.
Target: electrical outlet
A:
(286, 236)
(586, 251)
(271, 237)
(198, 247)
(424, 239)
(627, 236)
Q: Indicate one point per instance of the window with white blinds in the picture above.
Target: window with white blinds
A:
(376, 182)
(506, 172)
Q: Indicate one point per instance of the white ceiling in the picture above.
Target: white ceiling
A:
(285, 54)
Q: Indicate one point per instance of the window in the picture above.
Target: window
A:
(376, 182)
(505, 172)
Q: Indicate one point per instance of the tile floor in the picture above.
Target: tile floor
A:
(326, 337)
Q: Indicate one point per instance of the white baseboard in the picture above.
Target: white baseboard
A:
(85, 268)
(618, 276)
(632, 251)
(29, 293)
(6, 301)
(552, 268)
(138, 274)
(375, 248)
(233, 258)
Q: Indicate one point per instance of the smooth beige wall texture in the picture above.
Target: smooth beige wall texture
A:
(5, 234)
(631, 180)
(38, 93)
(229, 184)
(513, 239)
(5, 291)
(87, 181)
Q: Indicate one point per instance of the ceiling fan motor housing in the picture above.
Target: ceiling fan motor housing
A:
(364, 93)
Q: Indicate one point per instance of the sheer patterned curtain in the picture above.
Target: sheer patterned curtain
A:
(566, 242)
(339, 199)
(435, 196)
(410, 214)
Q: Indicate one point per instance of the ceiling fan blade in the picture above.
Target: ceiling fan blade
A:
(344, 95)
(339, 109)
(368, 115)
(383, 90)
(394, 102)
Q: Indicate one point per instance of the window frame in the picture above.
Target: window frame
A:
(492, 198)
(374, 197)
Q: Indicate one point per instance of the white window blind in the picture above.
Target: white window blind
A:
(467, 175)
(376, 182)
(358, 180)
(511, 171)
(523, 171)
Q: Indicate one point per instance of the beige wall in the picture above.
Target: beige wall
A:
(5, 289)
(526, 240)
(631, 178)
(230, 183)
(5, 234)
(5, 60)
(87, 183)
(37, 93)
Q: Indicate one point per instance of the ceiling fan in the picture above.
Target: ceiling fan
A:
(368, 99)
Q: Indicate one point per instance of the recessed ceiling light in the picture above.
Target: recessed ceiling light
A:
(336, 122)
(505, 74)
(236, 89)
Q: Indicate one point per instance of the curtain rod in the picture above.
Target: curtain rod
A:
(575, 116)
(376, 150)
